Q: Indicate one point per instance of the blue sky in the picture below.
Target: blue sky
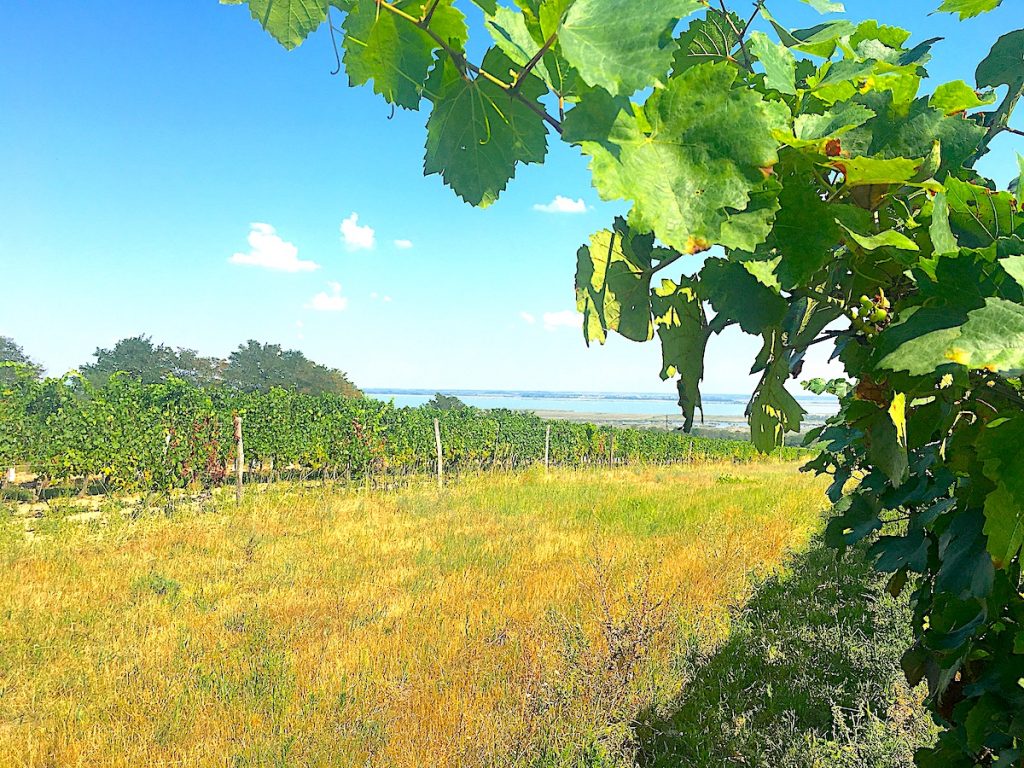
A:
(140, 141)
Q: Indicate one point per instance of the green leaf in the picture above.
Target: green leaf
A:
(478, 133)
(992, 339)
(862, 171)
(1004, 64)
(910, 131)
(618, 49)
(1000, 450)
(957, 96)
(895, 552)
(773, 411)
(747, 229)
(613, 278)
(707, 40)
(779, 64)
(487, 6)
(1014, 267)
(943, 240)
(836, 121)
(691, 158)
(805, 232)
(820, 40)
(890, 238)
(980, 216)
(512, 35)
(550, 15)
(739, 297)
(394, 53)
(683, 332)
(825, 6)
(896, 463)
(969, 8)
(288, 21)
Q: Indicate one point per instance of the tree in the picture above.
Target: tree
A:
(138, 356)
(445, 403)
(844, 208)
(256, 367)
(11, 352)
(197, 370)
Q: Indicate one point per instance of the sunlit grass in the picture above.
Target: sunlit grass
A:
(510, 620)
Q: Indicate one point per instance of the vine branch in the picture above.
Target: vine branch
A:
(465, 65)
(998, 121)
(534, 60)
(738, 33)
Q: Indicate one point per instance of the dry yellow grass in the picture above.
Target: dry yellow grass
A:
(511, 620)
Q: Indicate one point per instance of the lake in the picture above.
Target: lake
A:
(723, 405)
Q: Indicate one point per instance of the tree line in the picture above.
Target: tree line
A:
(253, 367)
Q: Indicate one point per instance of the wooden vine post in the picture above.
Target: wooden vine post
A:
(440, 456)
(547, 448)
(239, 459)
(611, 448)
(10, 475)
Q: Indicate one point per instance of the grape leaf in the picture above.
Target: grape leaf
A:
(819, 40)
(979, 216)
(511, 34)
(709, 39)
(683, 332)
(969, 8)
(999, 449)
(747, 229)
(1014, 266)
(805, 232)
(836, 121)
(739, 297)
(943, 240)
(487, 6)
(992, 339)
(478, 132)
(690, 158)
(392, 51)
(613, 46)
(825, 6)
(779, 64)
(613, 281)
(773, 411)
(890, 238)
(289, 22)
(898, 132)
(1004, 64)
(895, 552)
(957, 96)
(863, 171)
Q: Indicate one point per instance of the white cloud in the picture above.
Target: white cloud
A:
(269, 251)
(355, 236)
(562, 204)
(528, 317)
(387, 299)
(403, 244)
(374, 295)
(329, 302)
(567, 318)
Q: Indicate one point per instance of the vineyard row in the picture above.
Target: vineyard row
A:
(132, 437)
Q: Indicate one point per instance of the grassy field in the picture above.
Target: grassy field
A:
(520, 620)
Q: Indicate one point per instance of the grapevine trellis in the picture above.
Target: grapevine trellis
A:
(129, 436)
